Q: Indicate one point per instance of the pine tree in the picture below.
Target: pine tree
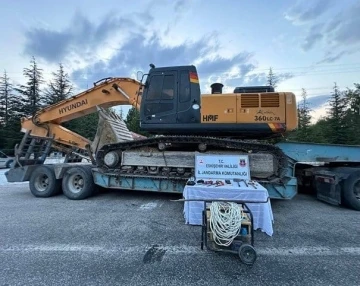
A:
(32, 96)
(133, 122)
(352, 117)
(121, 114)
(304, 119)
(353, 99)
(272, 79)
(319, 131)
(10, 118)
(59, 88)
(338, 130)
(86, 126)
(6, 100)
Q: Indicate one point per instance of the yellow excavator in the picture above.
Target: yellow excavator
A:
(181, 120)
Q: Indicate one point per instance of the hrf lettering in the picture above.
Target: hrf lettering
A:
(210, 117)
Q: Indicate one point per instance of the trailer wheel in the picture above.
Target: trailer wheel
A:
(247, 254)
(78, 183)
(43, 183)
(351, 191)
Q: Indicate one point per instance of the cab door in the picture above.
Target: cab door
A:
(184, 111)
(161, 95)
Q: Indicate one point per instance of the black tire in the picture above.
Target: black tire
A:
(78, 183)
(8, 163)
(351, 191)
(247, 254)
(43, 183)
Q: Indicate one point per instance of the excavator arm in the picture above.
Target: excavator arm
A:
(105, 93)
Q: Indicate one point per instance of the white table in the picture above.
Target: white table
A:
(262, 212)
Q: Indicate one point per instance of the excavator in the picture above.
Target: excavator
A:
(180, 120)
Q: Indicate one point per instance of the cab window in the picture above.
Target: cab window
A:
(184, 87)
(155, 86)
(161, 87)
(161, 90)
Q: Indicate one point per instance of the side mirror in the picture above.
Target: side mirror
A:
(139, 75)
(195, 106)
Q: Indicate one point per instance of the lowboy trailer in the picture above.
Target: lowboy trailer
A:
(332, 172)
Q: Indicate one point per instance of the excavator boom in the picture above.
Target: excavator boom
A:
(105, 93)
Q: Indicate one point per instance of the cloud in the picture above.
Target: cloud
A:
(79, 36)
(50, 45)
(331, 57)
(318, 101)
(333, 24)
(346, 30)
(319, 113)
(79, 42)
(339, 33)
(314, 36)
(302, 13)
(220, 65)
(179, 6)
(343, 33)
(138, 52)
(257, 78)
(318, 106)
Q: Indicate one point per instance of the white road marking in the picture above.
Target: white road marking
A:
(181, 249)
(149, 206)
(309, 251)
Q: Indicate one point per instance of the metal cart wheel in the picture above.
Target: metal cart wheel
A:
(247, 254)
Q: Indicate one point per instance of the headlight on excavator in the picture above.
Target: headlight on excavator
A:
(111, 159)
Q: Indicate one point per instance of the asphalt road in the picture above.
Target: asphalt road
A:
(125, 238)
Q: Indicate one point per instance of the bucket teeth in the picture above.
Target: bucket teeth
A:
(111, 129)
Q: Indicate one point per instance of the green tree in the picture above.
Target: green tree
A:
(304, 119)
(85, 126)
(272, 79)
(133, 122)
(120, 113)
(7, 102)
(338, 129)
(353, 99)
(319, 131)
(9, 116)
(59, 88)
(32, 98)
(352, 116)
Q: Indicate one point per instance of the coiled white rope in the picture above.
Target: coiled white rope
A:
(225, 222)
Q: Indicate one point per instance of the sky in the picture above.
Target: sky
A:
(308, 44)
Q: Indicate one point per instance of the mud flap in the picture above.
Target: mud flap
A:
(327, 187)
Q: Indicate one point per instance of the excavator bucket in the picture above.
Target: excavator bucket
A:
(111, 129)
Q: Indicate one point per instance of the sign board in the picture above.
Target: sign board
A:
(216, 166)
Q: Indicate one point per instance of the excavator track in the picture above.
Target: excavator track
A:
(182, 145)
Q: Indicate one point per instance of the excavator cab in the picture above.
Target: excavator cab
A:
(171, 98)
(172, 104)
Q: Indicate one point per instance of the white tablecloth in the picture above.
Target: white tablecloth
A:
(262, 212)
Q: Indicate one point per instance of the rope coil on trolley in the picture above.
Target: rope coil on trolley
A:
(225, 221)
